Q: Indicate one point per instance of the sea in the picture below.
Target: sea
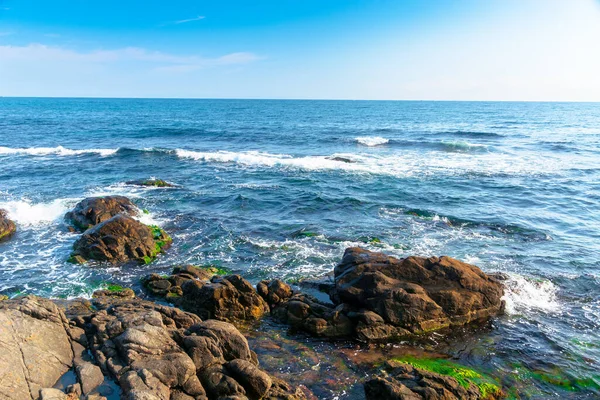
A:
(279, 188)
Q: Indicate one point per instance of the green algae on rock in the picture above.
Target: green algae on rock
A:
(152, 182)
(433, 379)
(121, 239)
(7, 227)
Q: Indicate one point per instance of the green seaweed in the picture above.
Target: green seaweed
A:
(307, 234)
(463, 375)
(214, 268)
(113, 287)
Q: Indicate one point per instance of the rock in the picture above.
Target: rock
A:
(304, 312)
(256, 382)
(7, 227)
(170, 286)
(151, 182)
(402, 381)
(158, 352)
(414, 294)
(94, 210)
(36, 349)
(90, 376)
(342, 159)
(52, 394)
(117, 291)
(121, 239)
(227, 298)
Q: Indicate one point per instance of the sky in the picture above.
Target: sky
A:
(532, 50)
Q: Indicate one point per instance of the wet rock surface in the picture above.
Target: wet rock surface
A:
(402, 381)
(153, 182)
(376, 297)
(7, 227)
(120, 239)
(94, 210)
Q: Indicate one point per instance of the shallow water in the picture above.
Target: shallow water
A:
(281, 188)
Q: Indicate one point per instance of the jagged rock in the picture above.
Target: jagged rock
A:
(121, 239)
(90, 376)
(170, 286)
(402, 381)
(151, 182)
(304, 312)
(158, 352)
(416, 294)
(36, 348)
(52, 394)
(226, 298)
(94, 210)
(7, 227)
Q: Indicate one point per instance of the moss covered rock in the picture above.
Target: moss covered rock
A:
(150, 182)
(119, 240)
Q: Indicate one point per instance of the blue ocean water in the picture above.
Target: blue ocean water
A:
(281, 188)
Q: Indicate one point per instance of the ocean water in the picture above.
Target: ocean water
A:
(281, 188)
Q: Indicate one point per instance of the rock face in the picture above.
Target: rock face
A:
(121, 239)
(416, 294)
(94, 210)
(151, 351)
(36, 347)
(170, 286)
(151, 182)
(402, 381)
(7, 227)
(158, 352)
(377, 297)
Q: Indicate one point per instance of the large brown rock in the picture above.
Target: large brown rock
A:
(36, 347)
(226, 298)
(414, 294)
(94, 210)
(120, 239)
(7, 227)
(401, 381)
(158, 352)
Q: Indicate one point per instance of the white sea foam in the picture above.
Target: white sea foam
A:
(59, 150)
(525, 294)
(24, 212)
(372, 140)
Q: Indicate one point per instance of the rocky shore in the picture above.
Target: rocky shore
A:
(185, 339)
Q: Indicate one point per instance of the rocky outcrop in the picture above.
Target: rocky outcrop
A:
(416, 294)
(402, 381)
(170, 286)
(377, 297)
(151, 351)
(120, 239)
(94, 210)
(7, 227)
(158, 352)
(36, 347)
(226, 298)
(153, 182)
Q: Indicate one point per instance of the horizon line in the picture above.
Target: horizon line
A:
(294, 99)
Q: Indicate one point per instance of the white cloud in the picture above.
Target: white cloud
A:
(183, 21)
(39, 53)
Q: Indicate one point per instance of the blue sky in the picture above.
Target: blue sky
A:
(331, 49)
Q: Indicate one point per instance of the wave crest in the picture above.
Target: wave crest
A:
(58, 150)
(524, 294)
(372, 140)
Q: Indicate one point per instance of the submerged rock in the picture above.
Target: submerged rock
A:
(7, 227)
(403, 381)
(121, 239)
(151, 182)
(94, 210)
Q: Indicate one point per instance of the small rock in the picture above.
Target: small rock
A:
(90, 376)
(7, 227)
(52, 394)
(151, 182)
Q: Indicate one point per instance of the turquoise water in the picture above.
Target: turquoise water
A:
(280, 188)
